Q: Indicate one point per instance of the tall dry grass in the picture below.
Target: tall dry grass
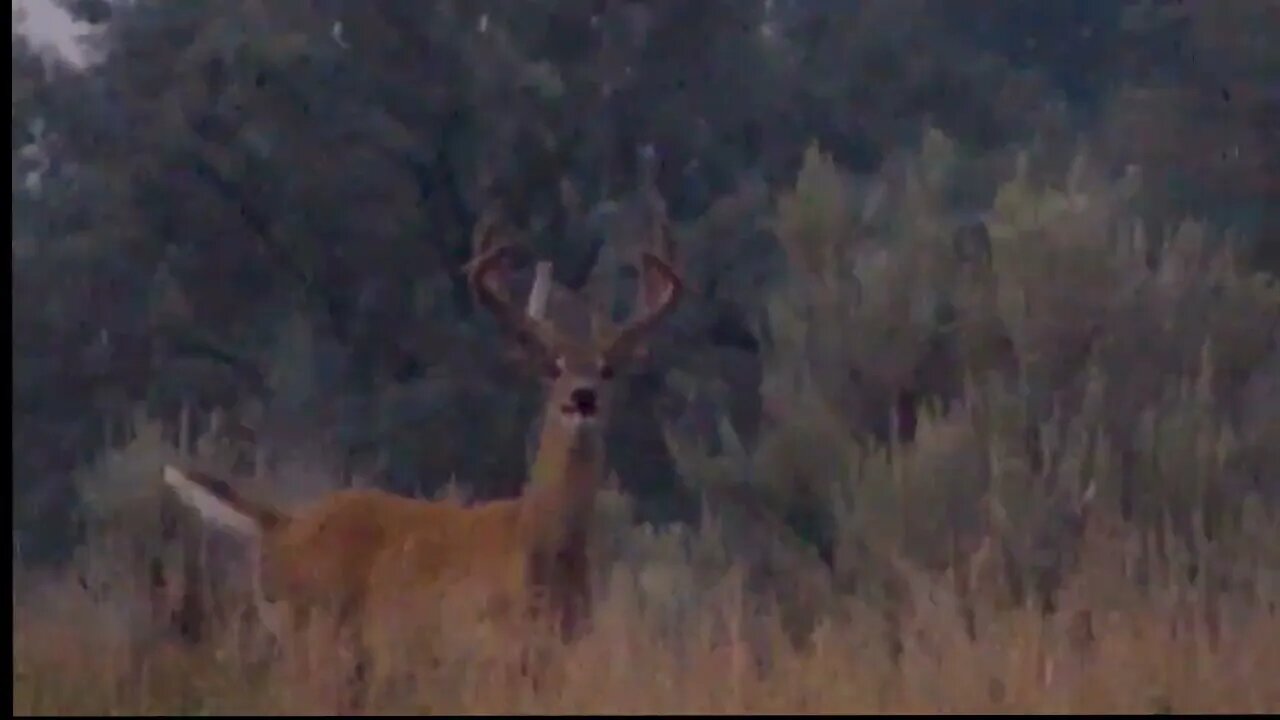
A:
(660, 645)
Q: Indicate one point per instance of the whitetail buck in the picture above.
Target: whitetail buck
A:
(365, 554)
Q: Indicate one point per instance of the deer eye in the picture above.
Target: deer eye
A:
(606, 371)
(556, 368)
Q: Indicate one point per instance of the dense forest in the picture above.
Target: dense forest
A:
(956, 271)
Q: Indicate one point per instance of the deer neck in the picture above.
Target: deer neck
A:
(559, 499)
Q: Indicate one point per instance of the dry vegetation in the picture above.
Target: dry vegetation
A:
(1152, 651)
(970, 575)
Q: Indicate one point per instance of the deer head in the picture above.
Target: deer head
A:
(579, 372)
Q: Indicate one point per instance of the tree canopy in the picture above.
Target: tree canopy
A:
(265, 206)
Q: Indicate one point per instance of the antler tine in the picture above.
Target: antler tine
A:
(540, 293)
(660, 286)
(661, 246)
(629, 342)
(485, 237)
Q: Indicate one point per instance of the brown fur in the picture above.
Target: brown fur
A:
(385, 565)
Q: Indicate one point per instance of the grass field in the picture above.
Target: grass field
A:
(1110, 648)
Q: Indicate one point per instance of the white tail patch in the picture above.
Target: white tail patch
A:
(210, 506)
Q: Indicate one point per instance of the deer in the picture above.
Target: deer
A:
(361, 554)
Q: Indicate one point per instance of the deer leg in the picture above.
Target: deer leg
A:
(574, 591)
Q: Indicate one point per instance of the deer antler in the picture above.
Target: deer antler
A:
(531, 332)
(660, 286)
(661, 246)
(659, 301)
(540, 293)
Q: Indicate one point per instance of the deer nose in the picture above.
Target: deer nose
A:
(584, 399)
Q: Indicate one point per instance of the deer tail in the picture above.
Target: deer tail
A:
(219, 503)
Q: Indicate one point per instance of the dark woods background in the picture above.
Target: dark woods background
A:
(262, 209)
